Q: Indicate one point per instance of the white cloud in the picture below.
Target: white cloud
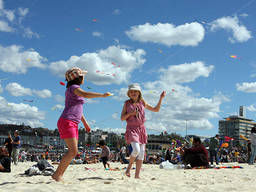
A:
(5, 27)
(20, 113)
(240, 32)
(109, 66)
(17, 90)
(184, 73)
(246, 87)
(23, 11)
(244, 15)
(116, 12)
(57, 107)
(116, 115)
(15, 60)
(29, 33)
(59, 98)
(97, 34)
(189, 34)
(180, 103)
(45, 93)
(251, 108)
(9, 17)
(1, 4)
(1, 88)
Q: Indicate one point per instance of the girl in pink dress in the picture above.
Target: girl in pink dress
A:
(134, 114)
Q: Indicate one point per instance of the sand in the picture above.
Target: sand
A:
(152, 179)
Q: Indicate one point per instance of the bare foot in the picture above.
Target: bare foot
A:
(137, 177)
(127, 174)
(57, 178)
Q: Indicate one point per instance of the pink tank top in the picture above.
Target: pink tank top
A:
(135, 129)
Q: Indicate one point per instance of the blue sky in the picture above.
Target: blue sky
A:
(180, 46)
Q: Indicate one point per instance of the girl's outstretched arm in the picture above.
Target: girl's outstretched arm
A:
(86, 125)
(158, 106)
(80, 92)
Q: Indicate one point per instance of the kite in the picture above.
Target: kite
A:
(160, 51)
(78, 29)
(234, 56)
(28, 100)
(243, 137)
(115, 64)
(89, 87)
(62, 83)
(28, 60)
(225, 145)
(228, 138)
(114, 75)
(94, 20)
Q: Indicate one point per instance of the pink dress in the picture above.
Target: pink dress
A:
(135, 129)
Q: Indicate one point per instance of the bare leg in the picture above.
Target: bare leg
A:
(127, 172)
(138, 167)
(67, 158)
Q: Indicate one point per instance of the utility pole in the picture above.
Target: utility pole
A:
(186, 127)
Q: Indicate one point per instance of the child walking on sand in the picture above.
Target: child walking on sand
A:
(72, 115)
(133, 113)
(104, 154)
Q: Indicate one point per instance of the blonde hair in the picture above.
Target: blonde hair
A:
(140, 97)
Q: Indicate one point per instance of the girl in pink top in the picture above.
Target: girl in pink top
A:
(134, 114)
(72, 115)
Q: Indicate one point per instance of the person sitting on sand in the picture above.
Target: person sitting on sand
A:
(5, 161)
(197, 155)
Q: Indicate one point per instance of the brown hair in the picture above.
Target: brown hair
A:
(4, 152)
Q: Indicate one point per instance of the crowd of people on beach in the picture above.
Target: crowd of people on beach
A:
(190, 154)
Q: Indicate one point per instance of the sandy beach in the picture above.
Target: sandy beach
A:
(152, 179)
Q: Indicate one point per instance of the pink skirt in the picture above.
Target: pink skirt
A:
(67, 128)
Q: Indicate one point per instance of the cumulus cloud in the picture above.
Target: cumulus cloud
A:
(17, 90)
(59, 98)
(97, 34)
(251, 108)
(240, 32)
(246, 87)
(116, 12)
(107, 66)
(186, 72)
(58, 107)
(45, 93)
(4, 27)
(23, 11)
(1, 89)
(244, 15)
(29, 33)
(189, 34)
(11, 20)
(20, 113)
(180, 104)
(1, 4)
(16, 60)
